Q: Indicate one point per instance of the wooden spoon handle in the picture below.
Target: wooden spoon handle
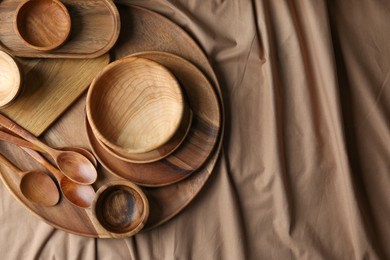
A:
(17, 129)
(4, 136)
(40, 159)
(9, 164)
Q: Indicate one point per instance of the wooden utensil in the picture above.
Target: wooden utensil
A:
(72, 164)
(8, 137)
(197, 146)
(42, 25)
(95, 29)
(36, 186)
(121, 208)
(10, 79)
(80, 195)
(149, 109)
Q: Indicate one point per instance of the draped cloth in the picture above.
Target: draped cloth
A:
(304, 171)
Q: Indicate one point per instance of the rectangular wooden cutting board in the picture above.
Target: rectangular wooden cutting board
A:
(50, 87)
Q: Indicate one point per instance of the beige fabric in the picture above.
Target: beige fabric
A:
(305, 168)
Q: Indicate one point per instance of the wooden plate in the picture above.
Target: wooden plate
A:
(199, 142)
(165, 202)
(95, 29)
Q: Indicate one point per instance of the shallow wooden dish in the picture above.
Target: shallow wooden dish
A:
(42, 25)
(199, 142)
(165, 202)
(121, 208)
(95, 29)
(10, 79)
(136, 106)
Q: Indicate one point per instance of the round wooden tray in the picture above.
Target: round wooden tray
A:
(142, 30)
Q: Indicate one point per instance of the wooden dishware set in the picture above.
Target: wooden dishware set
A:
(152, 115)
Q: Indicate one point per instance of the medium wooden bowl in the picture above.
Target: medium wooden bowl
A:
(136, 106)
(121, 208)
(42, 25)
(10, 79)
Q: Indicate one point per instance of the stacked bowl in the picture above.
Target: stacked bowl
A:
(137, 113)
(137, 110)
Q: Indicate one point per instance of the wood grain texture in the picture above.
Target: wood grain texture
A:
(42, 25)
(121, 207)
(10, 78)
(160, 153)
(73, 165)
(10, 137)
(51, 86)
(36, 186)
(79, 195)
(95, 29)
(148, 110)
(70, 131)
(197, 146)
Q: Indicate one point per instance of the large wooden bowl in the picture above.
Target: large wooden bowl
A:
(10, 79)
(42, 25)
(136, 106)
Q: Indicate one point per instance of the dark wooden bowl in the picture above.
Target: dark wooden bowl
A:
(42, 25)
(121, 208)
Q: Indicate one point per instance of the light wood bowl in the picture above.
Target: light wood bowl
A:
(10, 79)
(121, 208)
(136, 106)
(42, 25)
(157, 154)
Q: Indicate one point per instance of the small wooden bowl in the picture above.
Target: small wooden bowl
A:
(121, 208)
(10, 79)
(43, 25)
(136, 106)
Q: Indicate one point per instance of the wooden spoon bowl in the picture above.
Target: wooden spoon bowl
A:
(36, 186)
(10, 79)
(42, 25)
(72, 164)
(136, 106)
(121, 207)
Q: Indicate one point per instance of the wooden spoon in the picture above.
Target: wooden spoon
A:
(36, 186)
(80, 195)
(72, 164)
(8, 137)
